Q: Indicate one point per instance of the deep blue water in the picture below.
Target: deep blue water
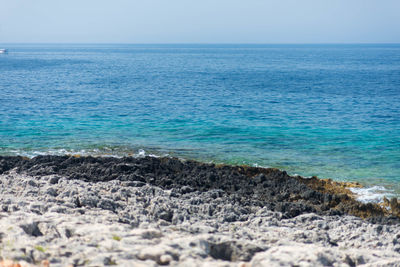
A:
(325, 110)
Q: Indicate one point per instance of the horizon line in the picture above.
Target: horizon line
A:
(203, 43)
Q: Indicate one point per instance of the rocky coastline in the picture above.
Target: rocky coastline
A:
(148, 211)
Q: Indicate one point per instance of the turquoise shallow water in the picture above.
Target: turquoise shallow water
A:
(325, 110)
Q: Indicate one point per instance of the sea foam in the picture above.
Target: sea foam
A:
(373, 194)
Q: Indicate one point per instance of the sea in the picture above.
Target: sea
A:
(326, 110)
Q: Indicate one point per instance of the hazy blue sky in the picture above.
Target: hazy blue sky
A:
(202, 21)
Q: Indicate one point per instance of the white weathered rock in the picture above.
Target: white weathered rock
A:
(76, 222)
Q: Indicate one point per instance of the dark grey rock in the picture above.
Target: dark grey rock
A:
(32, 183)
(51, 191)
(233, 251)
(31, 229)
(54, 180)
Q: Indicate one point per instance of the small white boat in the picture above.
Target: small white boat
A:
(3, 51)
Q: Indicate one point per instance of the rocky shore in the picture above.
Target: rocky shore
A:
(95, 211)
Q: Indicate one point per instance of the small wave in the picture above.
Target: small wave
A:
(105, 152)
(142, 153)
(256, 165)
(373, 194)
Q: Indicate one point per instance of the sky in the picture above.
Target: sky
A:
(202, 21)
